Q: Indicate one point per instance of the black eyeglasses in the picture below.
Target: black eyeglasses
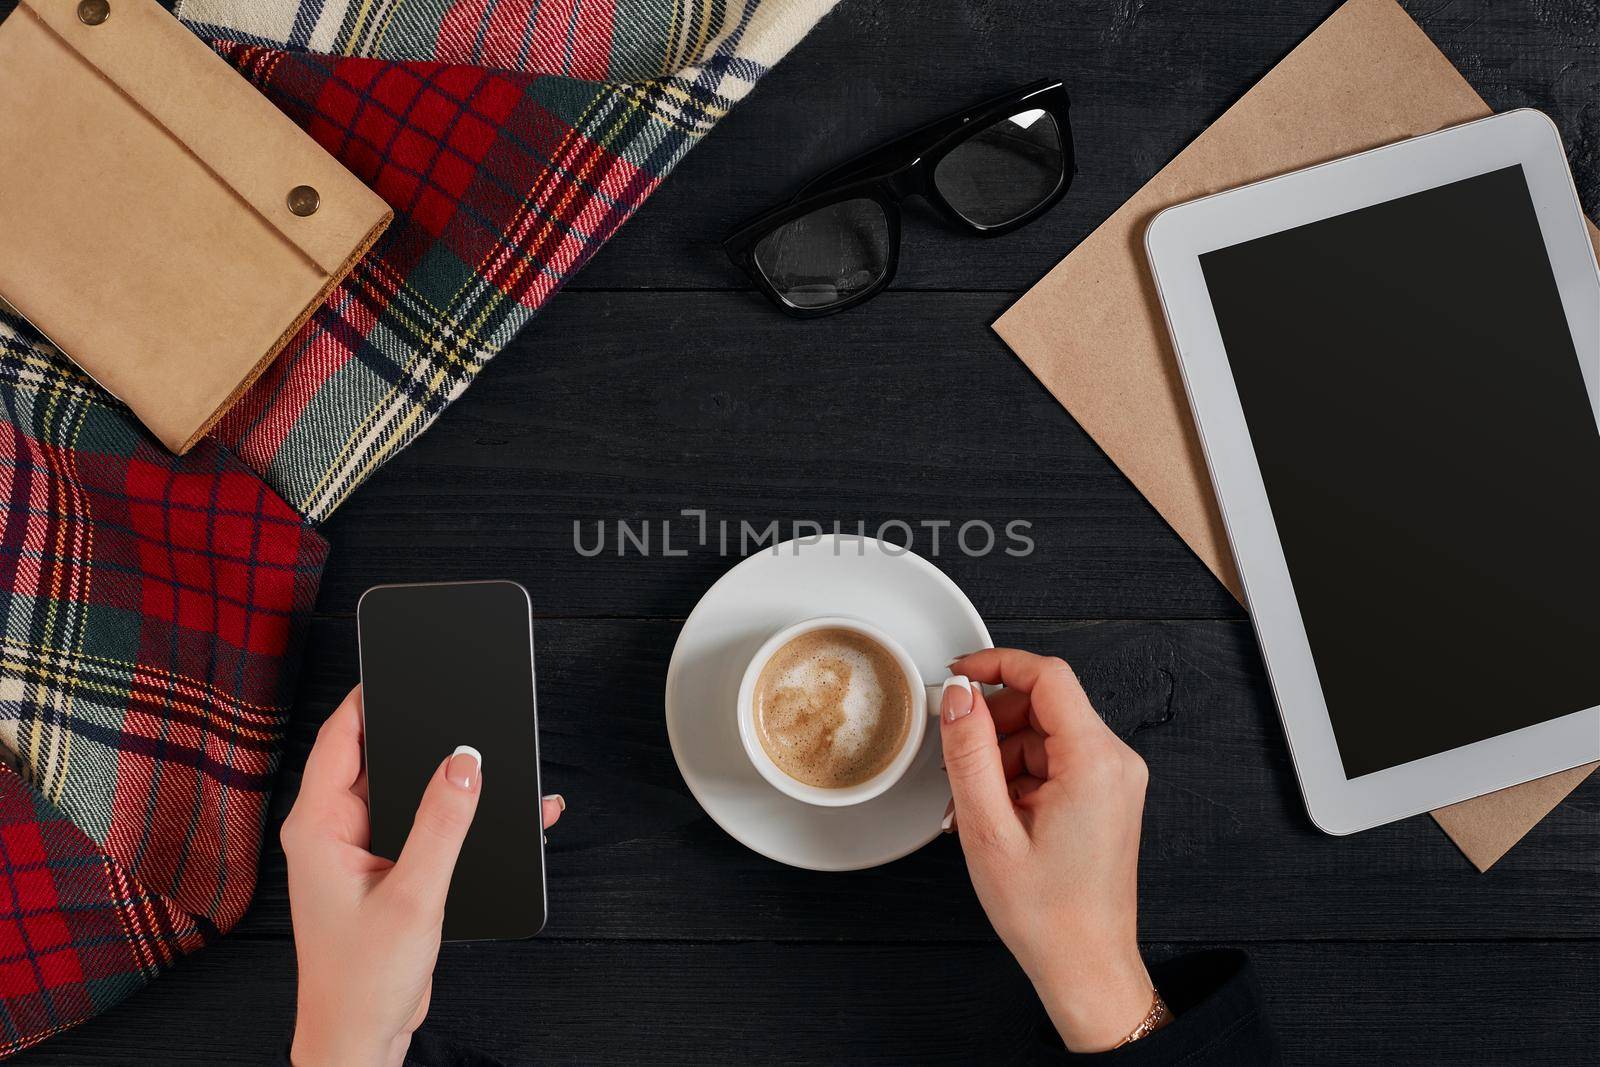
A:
(990, 169)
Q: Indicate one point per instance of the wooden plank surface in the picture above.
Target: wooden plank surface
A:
(1145, 79)
(635, 407)
(654, 386)
(696, 1003)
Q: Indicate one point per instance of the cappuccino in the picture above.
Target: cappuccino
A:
(832, 708)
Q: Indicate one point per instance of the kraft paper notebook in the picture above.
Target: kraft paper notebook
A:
(161, 222)
(1093, 332)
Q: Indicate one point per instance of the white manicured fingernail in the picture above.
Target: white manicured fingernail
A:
(955, 697)
(463, 767)
(949, 817)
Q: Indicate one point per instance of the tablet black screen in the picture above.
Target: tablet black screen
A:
(1418, 412)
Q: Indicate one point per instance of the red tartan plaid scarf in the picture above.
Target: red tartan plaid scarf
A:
(507, 169)
(152, 606)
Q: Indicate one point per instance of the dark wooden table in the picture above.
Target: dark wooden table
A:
(657, 383)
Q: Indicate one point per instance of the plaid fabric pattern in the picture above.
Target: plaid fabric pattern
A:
(76, 933)
(504, 182)
(607, 41)
(152, 606)
(151, 612)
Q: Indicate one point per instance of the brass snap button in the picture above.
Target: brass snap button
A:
(94, 12)
(303, 199)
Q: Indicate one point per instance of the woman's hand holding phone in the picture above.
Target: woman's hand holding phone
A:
(1049, 820)
(366, 930)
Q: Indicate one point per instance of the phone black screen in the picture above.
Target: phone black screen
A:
(1419, 416)
(447, 665)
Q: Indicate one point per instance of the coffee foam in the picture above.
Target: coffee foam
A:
(861, 701)
(832, 708)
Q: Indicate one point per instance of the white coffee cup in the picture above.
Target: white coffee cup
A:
(925, 700)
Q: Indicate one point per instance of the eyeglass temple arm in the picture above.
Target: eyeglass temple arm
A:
(906, 148)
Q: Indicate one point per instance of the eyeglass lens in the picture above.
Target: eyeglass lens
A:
(1004, 170)
(828, 255)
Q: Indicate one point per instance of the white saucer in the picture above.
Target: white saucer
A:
(831, 575)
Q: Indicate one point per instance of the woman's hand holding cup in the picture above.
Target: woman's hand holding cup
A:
(1049, 819)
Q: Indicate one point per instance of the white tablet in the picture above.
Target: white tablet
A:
(1394, 363)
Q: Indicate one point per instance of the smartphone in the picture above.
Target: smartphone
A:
(446, 664)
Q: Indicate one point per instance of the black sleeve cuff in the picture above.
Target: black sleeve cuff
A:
(1217, 1017)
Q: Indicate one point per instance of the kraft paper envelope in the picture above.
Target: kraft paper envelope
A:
(1093, 332)
(160, 221)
